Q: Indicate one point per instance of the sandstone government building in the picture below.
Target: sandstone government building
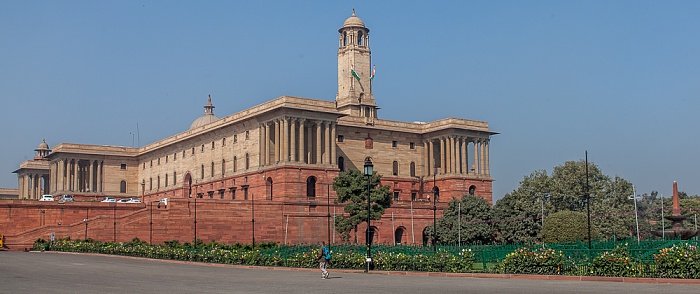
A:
(273, 163)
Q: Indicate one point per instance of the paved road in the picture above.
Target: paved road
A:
(37, 272)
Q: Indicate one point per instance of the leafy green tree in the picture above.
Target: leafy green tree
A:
(351, 187)
(565, 226)
(519, 213)
(468, 218)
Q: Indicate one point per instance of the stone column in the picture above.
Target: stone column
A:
(431, 157)
(487, 158)
(278, 144)
(476, 156)
(267, 143)
(334, 157)
(91, 178)
(302, 150)
(20, 186)
(76, 178)
(443, 155)
(482, 157)
(328, 140)
(319, 157)
(285, 139)
(293, 140)
(465, 156)
(310, 144)
(100, 167)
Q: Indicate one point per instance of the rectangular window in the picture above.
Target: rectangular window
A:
(202, 148)
(394, 144)
(158, 160)
(122, 166)
(247, 135)
(412, 145)
(340, 138)
(151, 162)
(174, 156)
(396, 195)
(212, 145)
(233, 194)
(235, 138)
(413, 196)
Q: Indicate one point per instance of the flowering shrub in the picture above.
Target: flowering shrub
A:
(615, 263)
(682, 261)
(535, 261)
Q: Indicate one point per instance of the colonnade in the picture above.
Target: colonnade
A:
(77, 175)
(450, 155)
(297, 140)
(33, 185)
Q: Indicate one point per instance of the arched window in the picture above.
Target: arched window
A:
(413, 169)
(345, 38)
(212, 169)
(247, 161)
(223, 167)
(311, 187)
(158, 183)
(150, 184)
(174, 178)
(268, 188)
(201, 170)
(122, 186)
(360, 39)
(166, 180)
(341, 164)
(395, 168)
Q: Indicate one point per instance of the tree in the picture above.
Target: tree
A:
(471, 223)
(612, 213)
(565, 226)
(351, 187)
(519, 213)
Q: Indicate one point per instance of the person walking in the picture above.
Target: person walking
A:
(324, 256)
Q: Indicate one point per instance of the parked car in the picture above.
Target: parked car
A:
(109, 199)
(134, 200)
(46, 198)
(66, 198)
(124, 200)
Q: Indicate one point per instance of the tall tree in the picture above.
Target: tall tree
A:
(468, 219)
(519, 214)
(612, 213)
(351, 187)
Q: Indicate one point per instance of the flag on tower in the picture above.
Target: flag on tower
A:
(374, 69)
(352, 70)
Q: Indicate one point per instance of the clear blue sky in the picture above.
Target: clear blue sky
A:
(620, 79)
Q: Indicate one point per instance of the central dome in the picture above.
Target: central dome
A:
(207, 118)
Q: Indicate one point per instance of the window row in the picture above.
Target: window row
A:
(202, 150)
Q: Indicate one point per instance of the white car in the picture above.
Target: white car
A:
(109, 199)
(46, 198)
(124, 200)
(134, 200)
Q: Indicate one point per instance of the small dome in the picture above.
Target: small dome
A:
(43, 145)
(203, 120)
(353, 21)
(208, 116)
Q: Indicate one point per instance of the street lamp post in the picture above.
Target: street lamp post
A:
(588, 206)
(252, 217)
(328, 219)
(636, 219)
(368, 174)
(436, 192)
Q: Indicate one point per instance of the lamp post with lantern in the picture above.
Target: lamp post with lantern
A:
(368, 174)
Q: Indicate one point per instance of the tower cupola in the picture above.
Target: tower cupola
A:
(355, 96)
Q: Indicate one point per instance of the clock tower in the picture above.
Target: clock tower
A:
(354, 96)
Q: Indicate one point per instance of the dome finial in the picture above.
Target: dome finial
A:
(209, 108)
(353, 11)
